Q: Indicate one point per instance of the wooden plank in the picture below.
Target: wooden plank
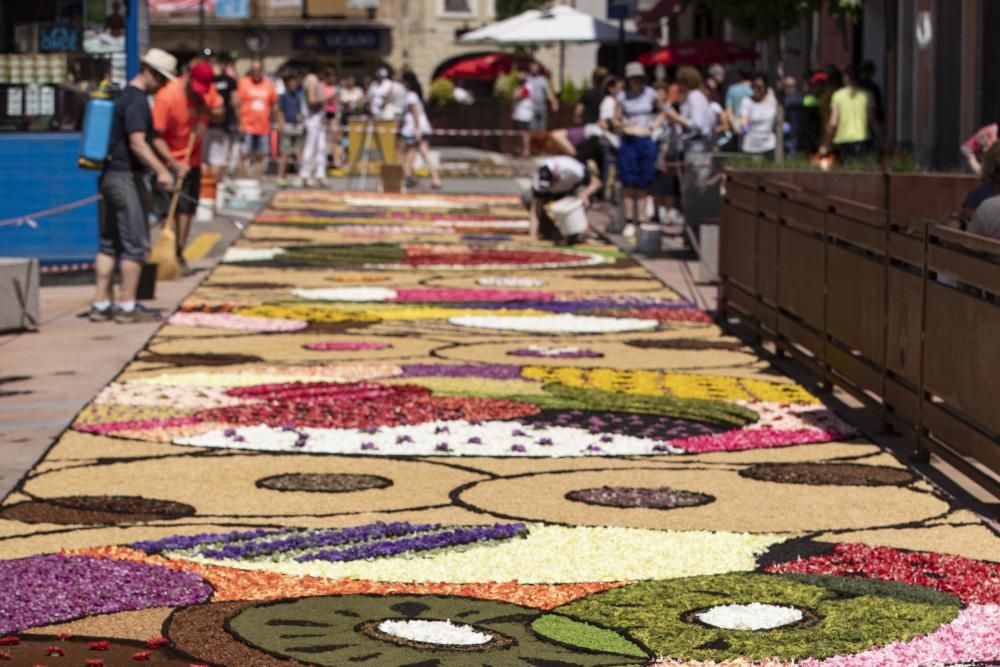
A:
(768, 205)
(968, 269)
(854, 368)
(855, 302)
(802, 217)
(906, 248)
(800, 335)
(971, 241)
(742, 194)
(767, 260)
(767, 316)
(905, 315)
(801, 272)
(739, 299)
(903, 400)
(848, 208)
(856, 233)
(961, 354)
(737, 246)
(961, 437)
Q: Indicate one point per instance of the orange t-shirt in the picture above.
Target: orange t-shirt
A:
(256, 101)
(174, 118)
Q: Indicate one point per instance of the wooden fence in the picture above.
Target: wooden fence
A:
(900, 311)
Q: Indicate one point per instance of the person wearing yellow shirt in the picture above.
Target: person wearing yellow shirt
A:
(853, 125)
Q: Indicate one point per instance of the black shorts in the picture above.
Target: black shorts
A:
(190, 192)
(522, 125)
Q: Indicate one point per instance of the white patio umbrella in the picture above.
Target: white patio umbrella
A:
(560, 24)
(486, 33)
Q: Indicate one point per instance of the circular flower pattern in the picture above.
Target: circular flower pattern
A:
(754, 616)
(555, 324)
(405, 630)
(320, 482)
(663, 498)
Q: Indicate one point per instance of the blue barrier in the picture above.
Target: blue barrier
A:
(38, 171)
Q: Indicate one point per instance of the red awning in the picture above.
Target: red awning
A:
(698, 52)
(483, 67)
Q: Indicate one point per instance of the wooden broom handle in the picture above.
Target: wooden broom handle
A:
(180, 186)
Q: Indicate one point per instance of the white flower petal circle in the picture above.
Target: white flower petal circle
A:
(444, 633)
(235, 255)
(753, 616)
(565, 323)
(346, 294)
(510, 281)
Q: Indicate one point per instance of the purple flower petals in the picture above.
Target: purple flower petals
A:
(518, 448)
(49, 589)
(441, 540)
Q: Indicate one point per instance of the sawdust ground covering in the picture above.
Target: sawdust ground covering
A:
(95, 495)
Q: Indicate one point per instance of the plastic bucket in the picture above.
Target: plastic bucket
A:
(247, 188)
(649, 239)
(569, 215)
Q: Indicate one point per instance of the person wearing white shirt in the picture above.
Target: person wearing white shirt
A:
(757, 119)
(414, 132)
(379, 91)
(638, 112)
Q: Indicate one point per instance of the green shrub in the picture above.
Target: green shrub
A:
(442, 91)
(570, 94)
(505, 84)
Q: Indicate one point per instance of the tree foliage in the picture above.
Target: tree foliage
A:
(508, 8)
(766, 18)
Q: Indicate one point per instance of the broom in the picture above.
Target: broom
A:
(164, 253)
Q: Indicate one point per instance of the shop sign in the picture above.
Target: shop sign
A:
(181, 6)
(55, 37)
(232, 9)
(285, 4)
(336, 39)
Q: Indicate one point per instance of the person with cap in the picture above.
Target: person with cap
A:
(124, 230)
(220, 134)
(638, 113)
(182, 109)
(561, 176)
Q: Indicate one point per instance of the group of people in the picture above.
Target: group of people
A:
(206, 115)
(645, 129)
(310, 108)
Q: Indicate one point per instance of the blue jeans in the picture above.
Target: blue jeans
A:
(637, 162)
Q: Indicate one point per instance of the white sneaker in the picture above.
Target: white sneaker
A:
(629, 231)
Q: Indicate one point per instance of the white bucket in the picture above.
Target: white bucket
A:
(205, 211)
(247, 188)
(570, 216)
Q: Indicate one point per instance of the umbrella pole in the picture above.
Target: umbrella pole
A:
(562, 66)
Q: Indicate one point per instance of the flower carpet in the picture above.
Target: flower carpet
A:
(389, 430)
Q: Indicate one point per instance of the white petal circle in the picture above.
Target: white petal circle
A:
(235, 255)
(509, 281)
(753, 616)
(564, 323)
(346, 294)
(444, 633)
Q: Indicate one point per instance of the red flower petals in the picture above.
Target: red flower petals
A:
(94, 662)
(141, 656)
(361, 406)
(102, 645)
(157, 642)
(55, 650)
(971, 581)
(9, 641)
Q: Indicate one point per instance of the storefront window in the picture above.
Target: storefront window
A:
(53, 55)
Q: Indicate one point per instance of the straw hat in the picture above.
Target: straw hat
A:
(635, 69)
(162, 62)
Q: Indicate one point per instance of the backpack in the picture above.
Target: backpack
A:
(98, 120)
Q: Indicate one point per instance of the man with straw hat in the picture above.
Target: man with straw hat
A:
(124, 231)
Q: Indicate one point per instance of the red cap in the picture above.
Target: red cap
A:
(819, 77)
(202, 77)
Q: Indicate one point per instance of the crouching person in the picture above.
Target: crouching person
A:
(563, 176)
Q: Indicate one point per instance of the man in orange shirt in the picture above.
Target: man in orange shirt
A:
(182, 109)
(258, 104)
